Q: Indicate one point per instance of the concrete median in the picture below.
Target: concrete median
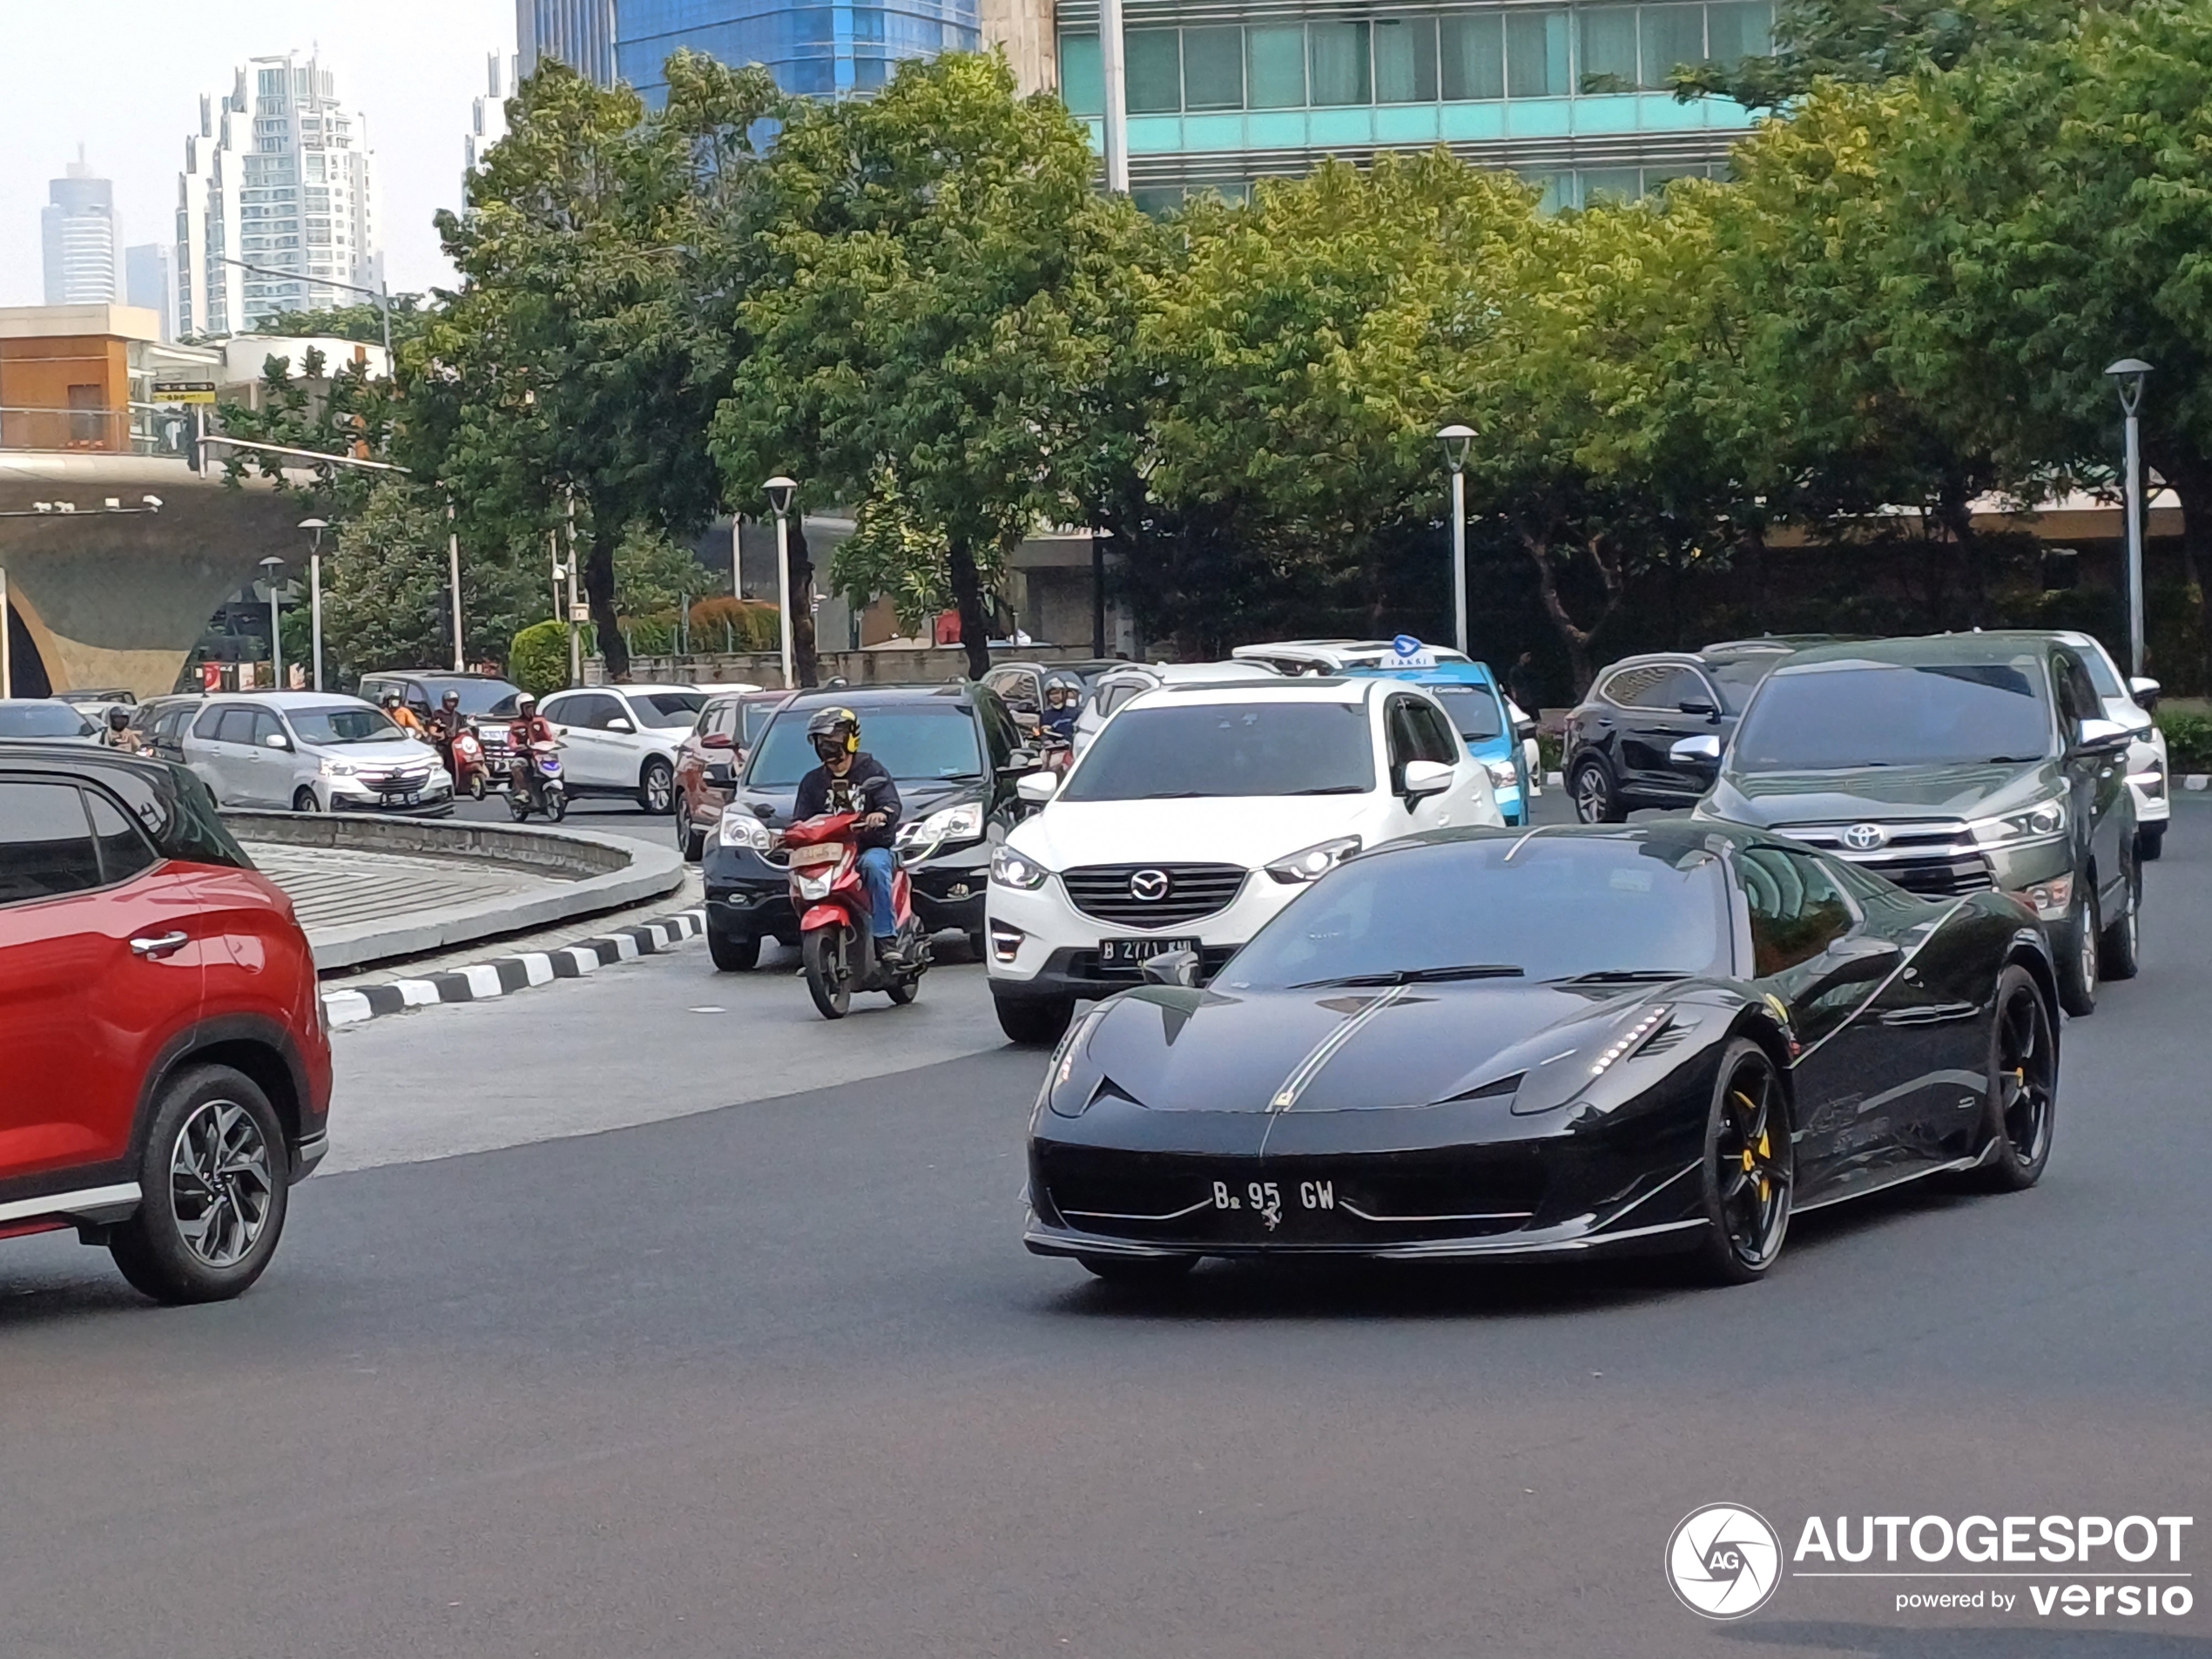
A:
(371, 890)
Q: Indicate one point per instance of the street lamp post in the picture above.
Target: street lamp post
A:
(7, 667)
(1113, 66)
(576, 637)
(381, 294)
(315, 527)
(1456, 438)
(270, 566)
(453, 572)
(2127, 379)
(780, 490)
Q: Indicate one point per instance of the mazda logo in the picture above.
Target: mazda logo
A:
(1150, 886)
(1864, 838)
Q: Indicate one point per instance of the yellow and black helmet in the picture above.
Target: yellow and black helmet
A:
(834, 731)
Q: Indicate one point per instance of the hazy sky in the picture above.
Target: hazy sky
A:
(123, 78)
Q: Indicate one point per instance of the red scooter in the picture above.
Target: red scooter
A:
(836, 939)
(464, 758)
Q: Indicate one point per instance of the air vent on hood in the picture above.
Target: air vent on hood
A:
(1665, 1037)
(1499, 1088)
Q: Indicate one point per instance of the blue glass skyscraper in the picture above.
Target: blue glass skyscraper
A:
(816, 50)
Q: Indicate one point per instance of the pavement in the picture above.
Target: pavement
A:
(332, 889)
(648, 1315)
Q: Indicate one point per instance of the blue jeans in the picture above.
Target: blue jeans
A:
(876, 867)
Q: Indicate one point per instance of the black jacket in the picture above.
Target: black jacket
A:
(865, 788)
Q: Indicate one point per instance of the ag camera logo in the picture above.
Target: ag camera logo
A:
(1723, 1561)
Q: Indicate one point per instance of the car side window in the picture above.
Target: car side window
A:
(2076, 686)
(1632, 688)
(123, 849)
(999, 736)
(210, 722)
(236, 726)
(46, 847)
(1433, 735)
(1797, 910)
(594, 710)
(266, 726)
(1404, 742)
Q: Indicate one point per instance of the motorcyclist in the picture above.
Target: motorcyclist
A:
(117, 733)
(445, 725)
(850, 781)
(528, 727)
(1064, 700)
(402, 715)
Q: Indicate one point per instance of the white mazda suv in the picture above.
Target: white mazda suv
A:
(1199, 811)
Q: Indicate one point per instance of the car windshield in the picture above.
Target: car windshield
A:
(2102, 674)
(1474, 710)
(755, 715)
(913, 742)
(668, 708)
(44, 720)
(1171, 751)
(477, 697)
(1868, 714)
(338, 724)
(1529, 906)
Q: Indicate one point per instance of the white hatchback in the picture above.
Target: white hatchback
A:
(1198, 813)
(623, 739)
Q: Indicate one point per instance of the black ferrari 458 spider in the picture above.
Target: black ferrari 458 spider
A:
(1489, 1043)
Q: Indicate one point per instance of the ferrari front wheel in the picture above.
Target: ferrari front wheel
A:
(1750, 1167)
(2023, 1083)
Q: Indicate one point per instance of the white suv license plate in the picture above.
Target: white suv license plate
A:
(1132, 953)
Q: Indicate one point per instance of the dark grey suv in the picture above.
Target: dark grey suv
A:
(1950, 764)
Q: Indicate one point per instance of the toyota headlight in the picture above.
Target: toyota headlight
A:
(337, 768)
(1013, 869)
(2037, 823)
(1311, 863)
(741, 827)
(1503, 774)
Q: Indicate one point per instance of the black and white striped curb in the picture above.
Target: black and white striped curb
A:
(481, 981)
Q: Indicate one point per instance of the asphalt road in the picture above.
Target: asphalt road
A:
(776, 1377)
(615, 816)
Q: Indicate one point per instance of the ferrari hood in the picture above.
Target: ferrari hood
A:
(1342, 1049)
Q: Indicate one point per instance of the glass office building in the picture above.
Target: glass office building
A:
(1571, 97)
(819, 50)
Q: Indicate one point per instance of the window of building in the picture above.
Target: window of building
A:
(1154, 71)
(1337, 56)
(1473, 51)
(1536, 55)
(1609, 47)
(1611, 184)
(1213, 69)
(1739, 29)
(1275, 66)
(1674, 36)
(1405, 60)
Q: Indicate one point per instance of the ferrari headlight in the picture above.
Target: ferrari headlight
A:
(1311, 863)
(1013, 869)
(741, 827)
(2037, 823)
(1503, 774)
(952, 825)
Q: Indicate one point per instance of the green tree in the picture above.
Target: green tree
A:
(930, 256)
(364, 322)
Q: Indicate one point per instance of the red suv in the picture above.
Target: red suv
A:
(707, 759)
(165, 1074)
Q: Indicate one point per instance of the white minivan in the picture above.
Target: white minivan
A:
(1197, 815)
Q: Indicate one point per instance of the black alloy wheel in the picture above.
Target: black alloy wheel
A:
(2023, 1083)
(1595, 799)
(827, 962)
(1139, 1273)
(1750, 1167)
(2119, 952)
(303, 800)
(656, 787)
(691, 839)
(2077, 949)
(2150, 841)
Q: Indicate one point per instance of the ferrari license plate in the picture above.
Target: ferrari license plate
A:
(1132, 953)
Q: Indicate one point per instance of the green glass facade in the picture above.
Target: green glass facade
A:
(1572, 97)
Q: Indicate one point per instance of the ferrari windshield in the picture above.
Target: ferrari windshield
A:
(1173, 751)
(1530, 907)
(1879, 714)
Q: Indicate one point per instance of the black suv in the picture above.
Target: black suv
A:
(954, 753)
(1619, 750)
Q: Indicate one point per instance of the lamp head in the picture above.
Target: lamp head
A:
(2126, 376)
(152, 502)
(780, 490)
(1456, 438)
(314, 524)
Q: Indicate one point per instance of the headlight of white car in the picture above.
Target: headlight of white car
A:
(1311, 863)
(948, 827)
(1503, 774)
(741, 827)
(1013, 869)
(337, 768)
(2035, 824)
